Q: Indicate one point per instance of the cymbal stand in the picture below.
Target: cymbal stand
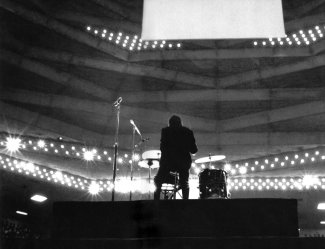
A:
(117, 106)
(132, 161)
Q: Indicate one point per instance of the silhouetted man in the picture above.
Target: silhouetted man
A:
(176, 145)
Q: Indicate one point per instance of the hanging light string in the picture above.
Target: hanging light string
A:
(13, 143)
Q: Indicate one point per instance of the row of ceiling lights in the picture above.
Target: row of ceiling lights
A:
(131, 42)
(14, 144)
(302, 37)
(124, 184)
(285, 183)
(275, 162)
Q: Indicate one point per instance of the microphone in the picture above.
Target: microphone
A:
(117, 102)
(135, 127)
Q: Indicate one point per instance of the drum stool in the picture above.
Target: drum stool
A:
(171, 186)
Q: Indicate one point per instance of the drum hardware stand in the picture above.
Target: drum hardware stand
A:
(117, 105)
(134, 128)
(150, 163)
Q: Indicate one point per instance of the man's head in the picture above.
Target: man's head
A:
(175, 121)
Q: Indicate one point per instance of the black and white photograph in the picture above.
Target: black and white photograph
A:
(162, 124)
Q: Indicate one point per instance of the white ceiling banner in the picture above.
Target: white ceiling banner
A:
(212, 19)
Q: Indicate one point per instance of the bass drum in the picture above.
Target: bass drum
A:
(213, 184)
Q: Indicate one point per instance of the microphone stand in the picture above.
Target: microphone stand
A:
(117, 104)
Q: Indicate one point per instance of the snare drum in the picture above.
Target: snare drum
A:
(213, 184)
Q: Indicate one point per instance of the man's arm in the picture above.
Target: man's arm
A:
(192, 145)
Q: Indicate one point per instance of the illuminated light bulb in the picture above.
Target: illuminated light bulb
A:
(255, 43)
(312, 159)
(281, 43)
(233, 171)
(34, 148)
(317, 153)
(227, 167)
(103, 35)
(88, 28)
(276, 159)
(110, 38)
(270, 39)
(282, 163)
(136, 157)
(292, 162)
(117, 41)
(119, 34)
(161, 45)
(131, 48)
(153, 46)
(272, 165)
(314, 39)
(67, 152)
(298, 43)
(262, 167)
(109, 159)
(242, 170)
(256, 162)
(266, 161)
(264, 43)
(310, 31)
(96, 32)
(120, 160)
(306, 155)
(88, 155)
(252, 168)
(302, 161)
(286, 158)
(203, 166)
(178, 45)
(124, 45)
(323, 157)
(41, 143)
(13, 144)
(296, 156)
(170, 45)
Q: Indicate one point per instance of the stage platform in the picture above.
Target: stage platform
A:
(169, 243)
(204, 219)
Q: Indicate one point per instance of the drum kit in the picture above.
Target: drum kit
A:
(212, 182)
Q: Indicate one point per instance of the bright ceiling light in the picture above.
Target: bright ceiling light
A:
(13, 144)
(41, 143)
(321, 206)
(309, 180)
(89, 155)
(93, 188)
(21, 212)
(38, 198)
(322, 222)
(227, 167)
(242, 170)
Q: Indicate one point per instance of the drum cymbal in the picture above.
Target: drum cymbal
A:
(210, 159)
(151, 154)
(153, 164)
